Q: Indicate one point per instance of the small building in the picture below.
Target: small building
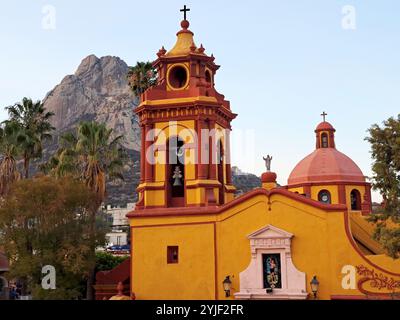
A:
(119, 235)
(117, 238)
(118, 214)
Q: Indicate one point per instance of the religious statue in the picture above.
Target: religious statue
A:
(268, 160)
(272, 273)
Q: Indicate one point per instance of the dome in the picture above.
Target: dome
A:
(325, 126)
(326, 165)
(184, 44)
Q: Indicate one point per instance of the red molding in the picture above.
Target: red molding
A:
(147, 213)
(357, 249)
(328, 183)
(349, 297)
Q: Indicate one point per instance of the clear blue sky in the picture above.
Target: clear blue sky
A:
(283, 62)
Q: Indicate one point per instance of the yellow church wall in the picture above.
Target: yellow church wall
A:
(362, 231)
(191, 278)
(154, 198)
(390, 264)
(320, 247)
(343, 254)
(234, 250)
(159, 172)
(194, 196)
(299, 190)
(315, 190)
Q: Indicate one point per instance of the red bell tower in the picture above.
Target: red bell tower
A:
(185, 123)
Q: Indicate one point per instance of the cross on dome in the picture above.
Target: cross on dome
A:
(184, 10)
(324, 114)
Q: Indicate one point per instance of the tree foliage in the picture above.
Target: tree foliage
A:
(11, 139)
(47, 221)
(106, 261)
(385, 146)
(91, 155)
(34, 124)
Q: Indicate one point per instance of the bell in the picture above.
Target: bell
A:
(177, 182)
(177, 177)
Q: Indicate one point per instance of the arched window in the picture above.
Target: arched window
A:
(176, 169)
(355, 200)
(324, 196)
(324, 140)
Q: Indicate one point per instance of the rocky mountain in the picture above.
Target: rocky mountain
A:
(99, 91)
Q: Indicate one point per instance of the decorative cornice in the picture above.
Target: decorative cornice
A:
(148, 213)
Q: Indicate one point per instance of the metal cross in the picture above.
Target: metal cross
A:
(184, 10)
(324, 114)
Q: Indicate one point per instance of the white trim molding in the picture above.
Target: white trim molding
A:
(271, 240)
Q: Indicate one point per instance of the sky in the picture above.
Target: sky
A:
(282, 62)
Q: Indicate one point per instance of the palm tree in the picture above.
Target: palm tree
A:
(141, 77)
(11, 139)
(34, 122)
(92, 155)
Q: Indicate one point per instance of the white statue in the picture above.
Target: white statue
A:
(268, 160)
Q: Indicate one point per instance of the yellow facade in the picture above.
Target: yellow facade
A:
(186, 250)
(216, 245)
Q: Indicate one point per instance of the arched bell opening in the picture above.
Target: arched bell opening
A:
(355, 200)
(220, 160)
(324, 140)
(175, 172)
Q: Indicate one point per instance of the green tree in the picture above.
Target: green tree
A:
(47, 221)
(34, 123)
(11, 139)
(106, 261)
(92, 155)
(385, 146)
(141, 77)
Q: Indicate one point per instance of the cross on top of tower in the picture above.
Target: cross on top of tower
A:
(184, 10)
(324, 114)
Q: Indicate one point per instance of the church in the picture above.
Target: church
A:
(192, 238)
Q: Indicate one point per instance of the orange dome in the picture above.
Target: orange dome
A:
(325, 126)
(326, 165)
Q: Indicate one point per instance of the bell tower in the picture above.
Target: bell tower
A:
(185, 125)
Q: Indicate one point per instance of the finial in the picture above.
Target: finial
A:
(201, 49)
(193, 47)
(161, 52)
(324, 114)
(185, 24)
(268, 160)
